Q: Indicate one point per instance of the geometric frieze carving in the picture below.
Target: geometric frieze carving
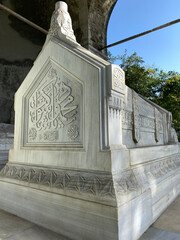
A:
(126, 183)
(136, 118)
(153, 171)
(61, 180)
(98, 184)
(53, 109)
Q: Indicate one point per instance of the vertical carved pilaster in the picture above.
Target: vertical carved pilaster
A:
(136, 118)
(157, 127)
(165, 128)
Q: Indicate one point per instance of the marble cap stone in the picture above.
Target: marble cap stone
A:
(61, 5)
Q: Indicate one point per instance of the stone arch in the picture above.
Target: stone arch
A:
(89, 17)
(101, 11)
(90, 20)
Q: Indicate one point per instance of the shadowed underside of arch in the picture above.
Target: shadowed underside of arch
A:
(20, 43)
(89, 17)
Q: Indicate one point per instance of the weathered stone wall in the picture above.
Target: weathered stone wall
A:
(89, 17)
(19, 41)
(19, 46)
(11, 76)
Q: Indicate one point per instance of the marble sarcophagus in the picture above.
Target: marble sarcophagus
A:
(91, 159)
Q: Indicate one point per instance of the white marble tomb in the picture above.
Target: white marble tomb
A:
(91, 159)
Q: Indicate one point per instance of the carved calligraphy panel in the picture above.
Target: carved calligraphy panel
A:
(53, 109)
(118, 79)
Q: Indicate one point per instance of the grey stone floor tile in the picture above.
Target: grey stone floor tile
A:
(167, 226)
(15, 228)
(11, 225)
(158, 234)
(36, 233)
(170, 219)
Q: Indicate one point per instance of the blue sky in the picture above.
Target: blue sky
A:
(161, 48)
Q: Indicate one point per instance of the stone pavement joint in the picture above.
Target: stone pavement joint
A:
(167, 226)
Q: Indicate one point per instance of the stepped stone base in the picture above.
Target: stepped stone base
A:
(92, 204)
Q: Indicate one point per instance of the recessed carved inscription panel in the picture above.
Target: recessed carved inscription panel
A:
(53, 109)
(118, 80)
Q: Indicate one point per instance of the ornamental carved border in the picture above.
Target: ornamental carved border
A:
(95, 184)
(64, 180)
(126, 183)
(157, 170)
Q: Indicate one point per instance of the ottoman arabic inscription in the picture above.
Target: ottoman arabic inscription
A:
(49, 105)
(52, 107)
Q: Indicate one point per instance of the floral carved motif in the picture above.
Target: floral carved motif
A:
(73, 132)
(118, 80)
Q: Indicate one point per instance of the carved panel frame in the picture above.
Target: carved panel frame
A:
(74, 133)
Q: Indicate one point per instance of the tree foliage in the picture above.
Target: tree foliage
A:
(168, 95)
(158, 86)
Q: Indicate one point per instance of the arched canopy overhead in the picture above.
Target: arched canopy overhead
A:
(90, 20)
(89, 17)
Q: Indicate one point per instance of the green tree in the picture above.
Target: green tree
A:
(141, 78)
(168, 95)
(158, 86)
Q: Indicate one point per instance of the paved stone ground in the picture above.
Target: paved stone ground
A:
(167, 227)
(15, 228)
